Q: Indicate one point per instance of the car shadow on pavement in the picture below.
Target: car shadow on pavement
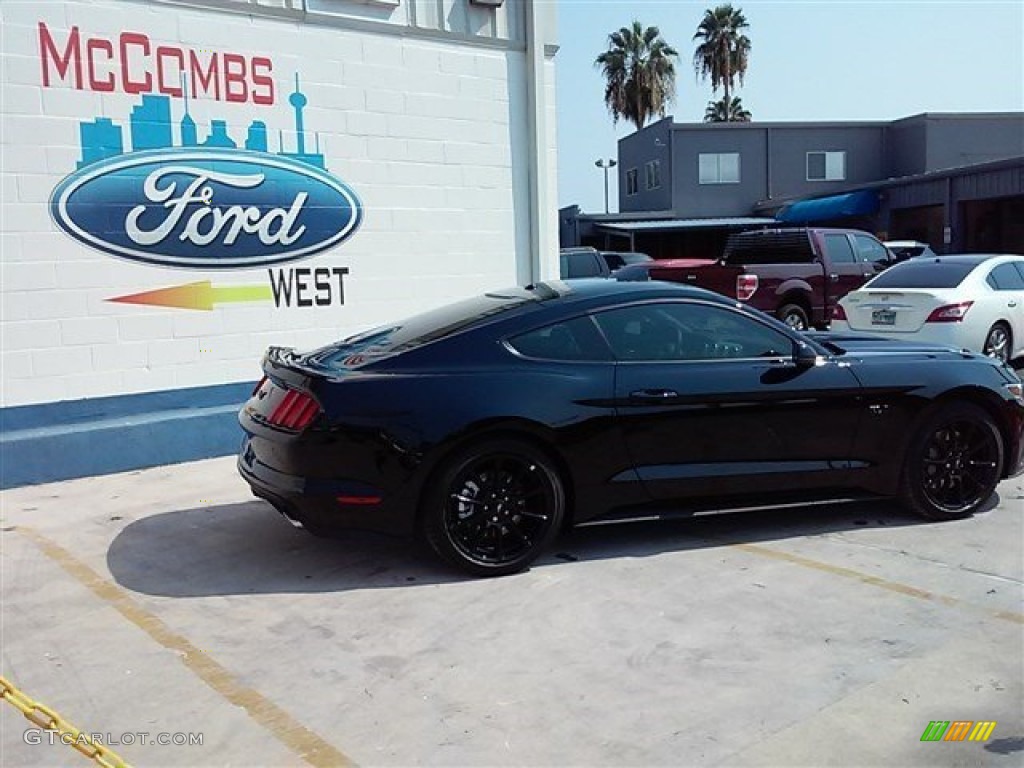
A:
(247, 548)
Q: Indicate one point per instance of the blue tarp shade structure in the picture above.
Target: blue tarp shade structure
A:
(834, 207)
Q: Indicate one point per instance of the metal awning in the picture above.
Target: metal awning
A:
(679, 225)
(834, 207)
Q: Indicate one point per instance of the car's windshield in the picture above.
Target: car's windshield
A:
(924, 274)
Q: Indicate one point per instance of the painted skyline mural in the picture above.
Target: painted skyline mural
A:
(150, 127)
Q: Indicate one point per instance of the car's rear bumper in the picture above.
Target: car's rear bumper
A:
(940, 334)
(323, 504)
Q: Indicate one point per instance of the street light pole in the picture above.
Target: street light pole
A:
(606, 165)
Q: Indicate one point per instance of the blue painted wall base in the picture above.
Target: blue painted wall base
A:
(78, 438)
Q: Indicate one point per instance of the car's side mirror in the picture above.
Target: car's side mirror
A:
(805, 356)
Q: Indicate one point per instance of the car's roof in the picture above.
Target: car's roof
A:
(964, 258)
(594, 289)
(923, 270)
(906, 244)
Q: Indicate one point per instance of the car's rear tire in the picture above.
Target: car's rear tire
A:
(953, 463)
(794, 316)
(494, 507)
(999, 342)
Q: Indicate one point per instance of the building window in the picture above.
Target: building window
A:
(723, 168)
(826, 166)
(631, 182)
(653, 173)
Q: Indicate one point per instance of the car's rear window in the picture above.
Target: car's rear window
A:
(420, 329)
(924, 274)
(769, 247)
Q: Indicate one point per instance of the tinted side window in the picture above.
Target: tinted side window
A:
(575, 339)
(688, 331)
(1005, 277)
(869, 249)
(839, 250)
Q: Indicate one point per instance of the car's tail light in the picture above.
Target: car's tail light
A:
(746, 286)
(838, 313)
(296, 411)
(950, 313)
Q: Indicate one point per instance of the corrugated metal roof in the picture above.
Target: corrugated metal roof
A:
(671, 225)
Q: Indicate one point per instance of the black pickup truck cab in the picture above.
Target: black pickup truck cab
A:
(796, 274)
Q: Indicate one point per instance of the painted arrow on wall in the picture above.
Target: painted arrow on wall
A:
(202, 295)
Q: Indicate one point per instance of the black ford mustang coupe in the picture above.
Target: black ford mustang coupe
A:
(488, 425)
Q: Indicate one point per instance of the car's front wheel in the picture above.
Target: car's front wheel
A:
(998, 342)
(953, 463)
(494, 507)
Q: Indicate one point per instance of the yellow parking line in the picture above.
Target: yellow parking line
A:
(875, 581)
(286, 729)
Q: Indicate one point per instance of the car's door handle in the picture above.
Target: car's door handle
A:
(834, 278)
(653, 395)
(1011, 303)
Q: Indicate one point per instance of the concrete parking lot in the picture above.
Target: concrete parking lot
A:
(168, 601)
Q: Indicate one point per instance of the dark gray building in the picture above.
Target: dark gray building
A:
(956, 180)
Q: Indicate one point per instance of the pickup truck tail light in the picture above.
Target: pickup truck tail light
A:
(949, 313)
(746, 286)
(838, 313)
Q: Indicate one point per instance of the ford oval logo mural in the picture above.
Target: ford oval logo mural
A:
(205, 208)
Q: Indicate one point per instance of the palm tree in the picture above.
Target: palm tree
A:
(718, 112)
(639, 69)
(724, 49)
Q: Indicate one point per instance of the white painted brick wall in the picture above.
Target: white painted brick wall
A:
(169, 353)
(125, 355)
(422, 130)
(27, 276)
(61, 361)
(88, 330)
(18, 365)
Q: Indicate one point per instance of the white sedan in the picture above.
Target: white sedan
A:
(974, 302)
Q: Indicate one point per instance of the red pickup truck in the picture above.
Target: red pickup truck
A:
(796, 274)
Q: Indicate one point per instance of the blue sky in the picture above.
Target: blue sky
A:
(814, 60)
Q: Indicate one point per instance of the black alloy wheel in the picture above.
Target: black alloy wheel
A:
(998, 342)
(954, 463)
(496, 507)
